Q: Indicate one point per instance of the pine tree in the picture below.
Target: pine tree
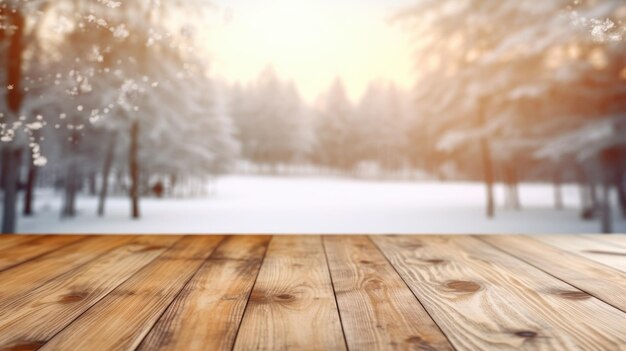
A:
(335, 147)
(272, 121)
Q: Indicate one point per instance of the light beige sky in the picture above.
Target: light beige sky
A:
(311, 43)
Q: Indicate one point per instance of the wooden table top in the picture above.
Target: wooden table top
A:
(313, 292)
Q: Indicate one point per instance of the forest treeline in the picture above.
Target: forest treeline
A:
(104, 96)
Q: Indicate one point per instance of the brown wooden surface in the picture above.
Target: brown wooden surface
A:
(313, 292)
(33, 318)
(595, 250)
(377, 311)
(14, 240)
(206, 315)
(292, 305)
(30, 249)
(485, 299)
(604, 282)
(29, 275)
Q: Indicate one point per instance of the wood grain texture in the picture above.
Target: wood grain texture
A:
(312, 293)
(122, 319)
(10, 240)
(595, 250)
(31, 319)
(29, 249)
(25, 277)
(476, 296)
(378, 311)
(242, 247)
(573, 318)
(601, 281)
(470, 310)
(615, 239)
(206, 315)
(292, 305)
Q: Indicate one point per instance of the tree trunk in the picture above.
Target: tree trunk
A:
(134, 169)
(488, 176)
(485, 152)
(71, 188)
(512, 191)
(517, 204)
(173, 182)
(120, 183)
(69, 204)
(11, 160)
(593, 197)
(606, 209)
(72, 178)
(621, 191)
(584, 186)
(106, 171)
(558, 193)
(583, 191)
(14, 96)
(29, 193)
(613, 172)
(92, 184)
(3, 167)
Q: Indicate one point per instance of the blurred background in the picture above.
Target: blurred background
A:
(344, 116)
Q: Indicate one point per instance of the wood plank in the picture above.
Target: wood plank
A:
(378, 311)
(27, 276)
(601, 281)
(206, 315)
(123, 318)
(599, 251)
(10, 240)
(484, 292)
(615, 239)
(249, 247)
(35, 317)
(292, 305)
(485, 299)
(574, 318)
(12, 256)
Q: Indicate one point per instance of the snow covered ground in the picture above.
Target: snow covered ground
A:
(255, 204)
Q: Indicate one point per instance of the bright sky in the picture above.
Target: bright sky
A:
(311, 42)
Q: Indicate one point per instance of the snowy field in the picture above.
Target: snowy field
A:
(254, 204)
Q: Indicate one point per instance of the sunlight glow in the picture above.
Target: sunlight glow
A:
(310, 43)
